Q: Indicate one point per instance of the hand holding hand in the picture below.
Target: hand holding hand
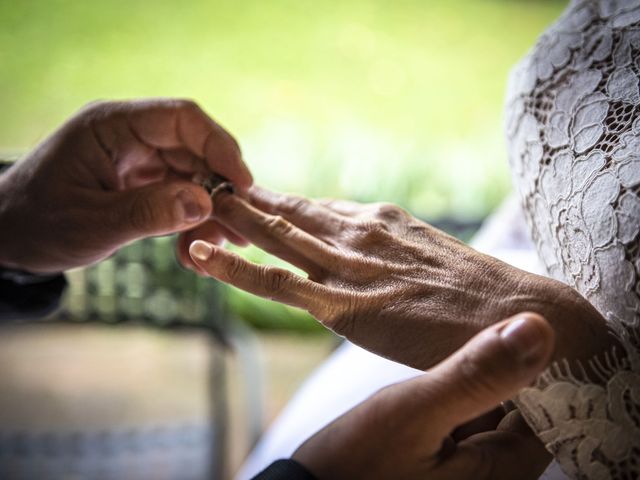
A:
(443, 424)
(114, 173)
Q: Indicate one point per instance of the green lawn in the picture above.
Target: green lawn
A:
(371, 100)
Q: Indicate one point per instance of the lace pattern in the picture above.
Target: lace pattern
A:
(573, 134)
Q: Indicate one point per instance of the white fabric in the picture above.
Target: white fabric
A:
(352, 374)
(573, 131)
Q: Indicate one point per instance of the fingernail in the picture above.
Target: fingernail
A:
(525, 339)
(187, 206)
(200, 250)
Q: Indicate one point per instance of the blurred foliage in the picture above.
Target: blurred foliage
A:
(364, 99)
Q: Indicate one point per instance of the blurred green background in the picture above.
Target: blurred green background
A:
(364, 99)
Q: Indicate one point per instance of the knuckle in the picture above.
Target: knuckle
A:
(185, 109)
(185, 104)
(327, 202)
(97, 111)
(276, 280)
(294, 204)
(389, 212)
(363, 228)
(93, 106)
(375, 226)
(278, 225)
(342, 317)
(234, 269)
(370, 231)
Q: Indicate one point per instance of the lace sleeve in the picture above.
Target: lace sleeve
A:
(591, 428)
(573, 133)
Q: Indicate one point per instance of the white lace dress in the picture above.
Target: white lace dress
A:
(573, 131)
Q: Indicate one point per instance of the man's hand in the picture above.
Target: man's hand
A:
(443, 424)
(114, 173)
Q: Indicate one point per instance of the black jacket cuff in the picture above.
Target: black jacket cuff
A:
(25, 296)
(285, 469)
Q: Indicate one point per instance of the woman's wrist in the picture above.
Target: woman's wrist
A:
(581, 331)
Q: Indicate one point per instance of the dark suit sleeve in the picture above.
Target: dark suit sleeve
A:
(285, 470)
(25, 296)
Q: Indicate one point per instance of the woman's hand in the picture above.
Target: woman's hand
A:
(444, 424)
(385, 280)
(116, 172)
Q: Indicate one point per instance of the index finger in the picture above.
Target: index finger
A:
(171, 124)
(266, 281)
(304, 213)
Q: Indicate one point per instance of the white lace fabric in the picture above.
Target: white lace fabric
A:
(573, 133)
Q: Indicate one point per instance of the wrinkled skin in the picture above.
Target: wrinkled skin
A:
(387, 281)
(444, 424)
(114, 173)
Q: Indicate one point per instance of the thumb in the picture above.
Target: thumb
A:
(493, 366)
(158, 209)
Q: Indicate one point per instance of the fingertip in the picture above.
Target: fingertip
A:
(191, 203)
(201, 251)
(189, 209)
(239, 174)
(529, 337)
(243, 179)
(225, 158)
